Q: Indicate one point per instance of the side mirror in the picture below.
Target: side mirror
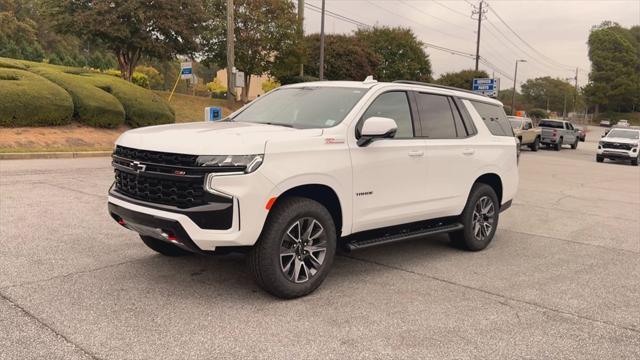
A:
(377, 127)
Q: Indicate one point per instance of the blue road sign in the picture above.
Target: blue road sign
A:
(487, 87)
(213, 113)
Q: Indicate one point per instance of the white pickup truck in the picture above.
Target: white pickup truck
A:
(311, 167)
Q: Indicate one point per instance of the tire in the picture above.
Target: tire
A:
(575, 144)
(599, 158)
(558, 145)
(163, 247)
(273, 260)
(536, 144)
(467, 238)
(634, 162)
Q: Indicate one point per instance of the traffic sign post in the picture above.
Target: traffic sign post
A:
(486, 87)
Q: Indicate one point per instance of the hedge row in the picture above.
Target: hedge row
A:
(27, 99)
(95, 99)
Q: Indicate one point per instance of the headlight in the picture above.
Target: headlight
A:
(245, 163)
(601, 143)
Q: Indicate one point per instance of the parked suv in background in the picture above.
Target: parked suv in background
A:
(620, 144)
(313, 166)
(526, 133)
(556, 133)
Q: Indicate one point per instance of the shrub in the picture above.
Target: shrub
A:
(286, 80)
(538, 114)
(218, 91)
(93, 106)
(142, 107)
(156, 81)
(140, 79)
(27, 99)
(269, 85)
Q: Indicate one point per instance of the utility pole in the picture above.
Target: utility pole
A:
(575, 95)
(480, 13)
(230, 52)
(322, 42)
(301, 31)
(513, 96)
(564, 109)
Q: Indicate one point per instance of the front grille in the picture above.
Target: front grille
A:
(617, 146)
(182, 194)
(162, 178)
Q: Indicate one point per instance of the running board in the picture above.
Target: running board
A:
(361, 241)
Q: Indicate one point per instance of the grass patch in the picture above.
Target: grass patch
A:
(27, 99)
(191, 108)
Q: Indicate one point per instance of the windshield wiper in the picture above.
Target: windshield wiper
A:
(278, 124)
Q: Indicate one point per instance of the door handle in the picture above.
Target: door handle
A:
(416, 153)
(468, 151)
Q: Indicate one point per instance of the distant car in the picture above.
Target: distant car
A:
(605, 123)
(526, 133)
(623, 123)
(620, 144)
(582, 134)
(556, 133)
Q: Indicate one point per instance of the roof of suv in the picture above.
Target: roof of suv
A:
(409, 85)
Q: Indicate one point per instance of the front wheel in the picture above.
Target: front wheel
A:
(296, 248)
(599, 158)
(479, 218)
(536, 144)
(575, 144)
(634, 162)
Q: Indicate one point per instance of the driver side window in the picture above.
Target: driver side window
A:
(394, 105)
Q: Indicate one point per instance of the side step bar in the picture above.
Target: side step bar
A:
(361, 242)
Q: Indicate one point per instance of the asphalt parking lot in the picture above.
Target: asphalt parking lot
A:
(561, 280)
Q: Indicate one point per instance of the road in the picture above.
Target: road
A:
(561, 280)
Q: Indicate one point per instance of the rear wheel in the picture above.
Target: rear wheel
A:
(536, 144)
(480, 219)
(163, 247)
(599, 158)
(558, 145)
(296, 248)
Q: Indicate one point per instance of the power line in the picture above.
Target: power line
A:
(497, 69)
(427, 14)
(336, 15)
(453, 10)
(543, 56)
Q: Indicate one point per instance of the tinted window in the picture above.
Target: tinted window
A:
(551, 124)
(466, 118)
(394, 105)
(569, 126)
(495, 118)
(436, 117)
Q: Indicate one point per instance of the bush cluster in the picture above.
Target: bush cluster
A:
(39, 94)
(20, 90)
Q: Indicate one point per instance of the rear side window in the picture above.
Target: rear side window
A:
(551, 124)
(495, 118)
(439, 117)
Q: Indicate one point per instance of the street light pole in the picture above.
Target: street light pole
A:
(513, 96)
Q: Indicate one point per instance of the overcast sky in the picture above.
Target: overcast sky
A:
(556, 28)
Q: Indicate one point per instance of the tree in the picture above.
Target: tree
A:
(345, 58)
(548, 93)
(132, 28)
(18, 34)
(614, 80)
(461, 79)
(401, 54)
(262, 29)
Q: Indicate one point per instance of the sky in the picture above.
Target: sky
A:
(552, 33)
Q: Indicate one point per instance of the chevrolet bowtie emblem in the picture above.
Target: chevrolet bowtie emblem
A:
(137, 167)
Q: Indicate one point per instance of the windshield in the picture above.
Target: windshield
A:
(516, 124)
(306, 107)
(626, 134)
(551, 124)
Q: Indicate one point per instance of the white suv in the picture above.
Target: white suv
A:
(620, 144)
(312, 167)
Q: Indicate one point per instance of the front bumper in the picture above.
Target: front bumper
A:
(617, 154)
(249, 193)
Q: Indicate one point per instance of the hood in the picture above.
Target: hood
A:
(210, 138)
(619, 140)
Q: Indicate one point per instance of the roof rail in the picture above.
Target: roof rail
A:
(437, 86)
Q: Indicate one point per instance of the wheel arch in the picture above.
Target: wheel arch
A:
(323, 194)
(493, 180)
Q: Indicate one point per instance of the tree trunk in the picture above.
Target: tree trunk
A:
(245, 90)
(127, 61)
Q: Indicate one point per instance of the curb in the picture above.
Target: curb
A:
(53, 155)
